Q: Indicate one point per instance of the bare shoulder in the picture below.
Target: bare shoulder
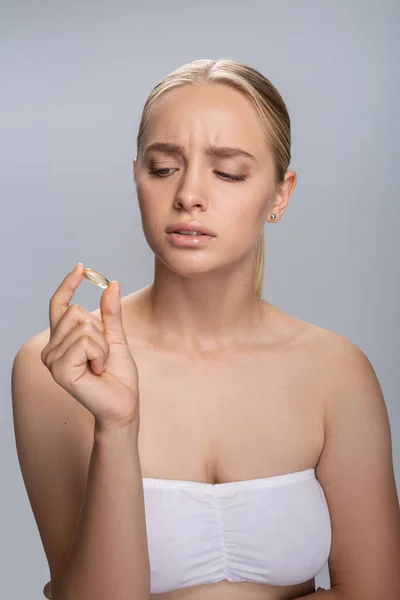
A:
(337, 364)
(303, 333)
(330, 344)
(339, 360)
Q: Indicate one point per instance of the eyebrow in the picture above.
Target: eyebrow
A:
(221, 151)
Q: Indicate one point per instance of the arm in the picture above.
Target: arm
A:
(84, 487)
(109, 555)
(355, 470)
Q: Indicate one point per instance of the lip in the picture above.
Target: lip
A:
(193, 226)
(189, 241)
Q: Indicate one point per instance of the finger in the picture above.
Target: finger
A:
(111, 314)
(85, 329)
(61, 298)
(73, 316)
(73, 363)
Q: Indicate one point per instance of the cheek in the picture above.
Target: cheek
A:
(143, 192)
(154, 218)
(149, 201)
(245, 215)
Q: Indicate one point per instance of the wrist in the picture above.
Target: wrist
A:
(124, 426)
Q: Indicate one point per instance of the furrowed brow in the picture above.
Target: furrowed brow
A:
(221, 151)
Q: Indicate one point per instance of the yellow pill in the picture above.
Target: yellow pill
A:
(96, 278)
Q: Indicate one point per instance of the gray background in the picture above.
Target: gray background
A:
(74, 78)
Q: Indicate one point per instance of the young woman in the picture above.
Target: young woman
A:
(191, 441)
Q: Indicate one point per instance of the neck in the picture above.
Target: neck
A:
(208, 313)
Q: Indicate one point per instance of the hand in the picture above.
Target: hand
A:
(90, 357)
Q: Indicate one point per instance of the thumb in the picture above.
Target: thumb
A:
(111, 313)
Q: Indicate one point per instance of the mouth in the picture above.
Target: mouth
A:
(193, 233)
(193, 228)
(189, 239)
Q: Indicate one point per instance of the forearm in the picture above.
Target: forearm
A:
(109, 558)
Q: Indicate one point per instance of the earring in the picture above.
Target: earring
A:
(273, 216)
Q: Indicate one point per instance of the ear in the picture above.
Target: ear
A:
(283, 193)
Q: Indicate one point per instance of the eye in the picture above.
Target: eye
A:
(158, 173)
(233, 177)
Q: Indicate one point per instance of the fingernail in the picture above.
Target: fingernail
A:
(77, 267)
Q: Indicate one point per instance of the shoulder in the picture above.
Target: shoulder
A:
(334, 363)
(325, 345)
(344, 371)
(345, 367)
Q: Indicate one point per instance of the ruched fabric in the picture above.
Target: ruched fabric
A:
(274, 530)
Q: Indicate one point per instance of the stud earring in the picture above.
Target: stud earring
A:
(273, 216)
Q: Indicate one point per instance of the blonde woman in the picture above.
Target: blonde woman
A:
(191, 441)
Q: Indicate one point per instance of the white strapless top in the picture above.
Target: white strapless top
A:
(275, 530)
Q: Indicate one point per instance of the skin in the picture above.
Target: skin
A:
(188, 300)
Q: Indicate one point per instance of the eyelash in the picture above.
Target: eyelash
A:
(235, 178)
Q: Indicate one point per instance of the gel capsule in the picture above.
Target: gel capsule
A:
(96, 278)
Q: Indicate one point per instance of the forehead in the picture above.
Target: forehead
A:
(209, 114)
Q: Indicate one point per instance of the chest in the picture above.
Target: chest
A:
(244, 416)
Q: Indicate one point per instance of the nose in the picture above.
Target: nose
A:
(191, 191)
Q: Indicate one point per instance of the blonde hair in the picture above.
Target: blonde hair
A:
(272, 111)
